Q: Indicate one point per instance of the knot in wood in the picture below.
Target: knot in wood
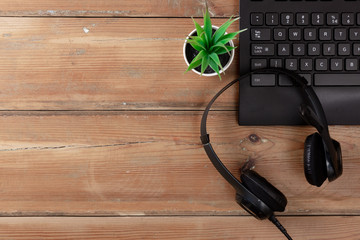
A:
(254, 138)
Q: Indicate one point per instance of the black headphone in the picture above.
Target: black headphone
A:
(322, 155)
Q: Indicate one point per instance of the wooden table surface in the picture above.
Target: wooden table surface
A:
(99, 132)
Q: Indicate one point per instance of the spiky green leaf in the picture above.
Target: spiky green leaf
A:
(243, 30)
(199, 29)
(197, 60)
(207, 25)
(222, 29)
(201, 55)
(198, 40)
(207, 41)
(219, 45)
(202, 36)
(228, 37)
(215, 67)
(204, 63)
(196, 45)
(221, 50)
(193, 64)
(215, 58)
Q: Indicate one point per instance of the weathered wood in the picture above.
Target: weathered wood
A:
(140, 169)
(330, 228)
(102, 64)
(152, 163)
(115, 8)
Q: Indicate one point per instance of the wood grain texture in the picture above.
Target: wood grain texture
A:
(115, 8)
(152, 163)
(53, 64)
(197, 228)
(140, 174)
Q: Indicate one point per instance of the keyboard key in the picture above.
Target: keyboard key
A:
(287, 19)
(276, 63)
(351, 64)
(258, 63)
(340, 34)
(336, 65)
(299, 49)
(257, 19)
(260, 34)
(302, 19)
(332, 19)
(314, 49)
(329, 49)
(317, 19)
(354, 34)
(321, 65)
(344, 49)
(262, 49)
(347, 19)
(263, 80)
(279, 34)
(307, 77)
(356, 49)
(306, 64)
(310, 34)
(325, 34)
(294, 34)
(284, 80)
(336, 79)
(291, 64)
(272, 19)
(284, 49)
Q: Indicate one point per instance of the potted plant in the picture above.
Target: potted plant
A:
(209, 50)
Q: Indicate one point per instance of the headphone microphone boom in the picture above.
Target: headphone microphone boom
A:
(322, 155)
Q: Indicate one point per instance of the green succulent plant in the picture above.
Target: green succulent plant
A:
(210, 45)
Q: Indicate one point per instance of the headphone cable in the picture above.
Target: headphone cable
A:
(276, 222)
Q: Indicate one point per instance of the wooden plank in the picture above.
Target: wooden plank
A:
(53, 64)
(197, 228)
(152, 163)
(114, 8)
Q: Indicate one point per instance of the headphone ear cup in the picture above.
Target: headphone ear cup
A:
(264, 190)
(314, 160)
(339, 157)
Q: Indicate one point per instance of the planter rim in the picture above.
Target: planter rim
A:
(214, 73)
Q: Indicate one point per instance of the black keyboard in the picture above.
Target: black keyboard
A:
(318, 39)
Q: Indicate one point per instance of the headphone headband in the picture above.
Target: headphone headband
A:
(312, 113)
